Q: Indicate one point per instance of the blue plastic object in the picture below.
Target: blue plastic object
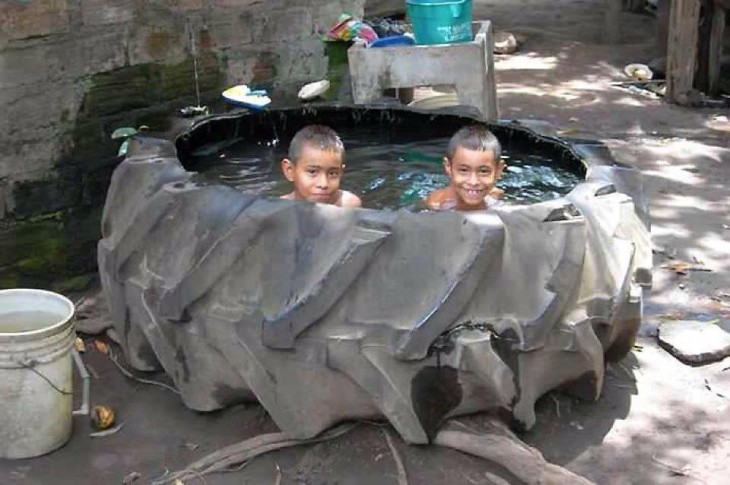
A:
(440, 22)
(392, 41)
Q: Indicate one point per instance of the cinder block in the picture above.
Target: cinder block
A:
(468, 66)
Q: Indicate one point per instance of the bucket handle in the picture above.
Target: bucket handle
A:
(81, 368)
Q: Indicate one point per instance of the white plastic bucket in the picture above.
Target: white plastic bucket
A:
(36, 337)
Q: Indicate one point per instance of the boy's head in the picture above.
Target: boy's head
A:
(473, 163)
(315, 164)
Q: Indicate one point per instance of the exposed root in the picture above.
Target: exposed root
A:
(244, 451)
(139, 379)
(402, 477)
(526, 464)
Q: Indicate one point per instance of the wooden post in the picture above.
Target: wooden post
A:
(717, 32)
(682, 47)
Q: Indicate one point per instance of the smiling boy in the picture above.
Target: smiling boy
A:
(315, 167)
(474, 165)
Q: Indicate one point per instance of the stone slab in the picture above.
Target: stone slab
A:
(695, 342)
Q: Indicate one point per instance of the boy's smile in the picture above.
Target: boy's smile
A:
(316, 174)
(473, 175)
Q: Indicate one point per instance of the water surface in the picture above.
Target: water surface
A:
(386, 172)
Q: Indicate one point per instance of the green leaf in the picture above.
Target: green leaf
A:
(123, 148)
(124, 132)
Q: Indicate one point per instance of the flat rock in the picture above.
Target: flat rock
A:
(695, 342)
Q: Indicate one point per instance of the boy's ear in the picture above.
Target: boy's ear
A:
(287, 168)
(500, 168)
(447, 166)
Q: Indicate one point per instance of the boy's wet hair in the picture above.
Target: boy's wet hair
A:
(316, 136)
(475, 137)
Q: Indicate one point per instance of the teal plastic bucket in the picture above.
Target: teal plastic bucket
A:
(440, 22)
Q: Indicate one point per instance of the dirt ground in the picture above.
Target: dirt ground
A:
(658, 420)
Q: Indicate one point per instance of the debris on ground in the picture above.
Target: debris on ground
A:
(102, 417)
(683, 267)
(107, 432)
(101, 346)
(683, 471)
(131, 477)
(505, 43)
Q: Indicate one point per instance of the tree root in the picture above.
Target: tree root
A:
(525, 464)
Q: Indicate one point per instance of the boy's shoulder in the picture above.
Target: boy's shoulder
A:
(440, 198)
(348, 199)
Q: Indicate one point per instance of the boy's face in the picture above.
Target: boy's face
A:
(473, 175)
(316, 174)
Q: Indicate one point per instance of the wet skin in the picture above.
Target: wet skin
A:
(316, 176)
(473, 176)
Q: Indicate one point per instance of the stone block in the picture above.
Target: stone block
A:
(228, 30)
(157, 43)
(104, 12)
(21, 20)
(23, 66)
(105, 50)
(234, 3)
(34, 122)
(183, 5)
(282, 25)
(306, 61)
(695, 342)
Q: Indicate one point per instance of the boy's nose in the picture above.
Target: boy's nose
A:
(322, 181)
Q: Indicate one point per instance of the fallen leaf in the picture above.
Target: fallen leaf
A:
(131, 477)
(678, 266)
(101, 346)
(671, 316)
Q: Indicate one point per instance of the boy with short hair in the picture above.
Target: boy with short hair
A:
(474, 165)
(315, 166)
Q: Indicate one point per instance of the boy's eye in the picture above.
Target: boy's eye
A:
(334, 173)
(312, 171)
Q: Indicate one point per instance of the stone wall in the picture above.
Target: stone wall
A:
(71, 71)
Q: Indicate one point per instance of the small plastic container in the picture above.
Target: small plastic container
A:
(393, 41)
(440, 22)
